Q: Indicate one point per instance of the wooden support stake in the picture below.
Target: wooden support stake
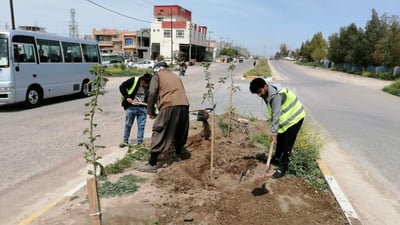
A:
(212, 143)
(94, 203)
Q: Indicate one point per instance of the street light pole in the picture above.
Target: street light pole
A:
(190, 42)
(209, 45)
(172, 42)
(12, 14)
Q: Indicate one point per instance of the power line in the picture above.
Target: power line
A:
(133, 18)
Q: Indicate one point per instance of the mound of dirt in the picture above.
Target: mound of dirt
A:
(188, 192)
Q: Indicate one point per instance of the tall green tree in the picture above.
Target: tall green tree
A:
(389, 45)
(317, 47)
(284, 51)
(335, 52)
(229, 52)
(304, 51)
(374, 30)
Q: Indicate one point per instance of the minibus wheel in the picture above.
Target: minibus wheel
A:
(86, 88)
(34, 97)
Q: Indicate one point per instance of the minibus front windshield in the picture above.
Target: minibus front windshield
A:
(4, 56)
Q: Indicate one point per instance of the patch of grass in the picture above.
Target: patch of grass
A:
(393, 88)
(261, 70)
(263, 139)
(125, 185)
(151, 221)
(224, 126)
(118, 72)
(140, 153)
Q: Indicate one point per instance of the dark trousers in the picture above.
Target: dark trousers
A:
(171, 127)
(285, 145)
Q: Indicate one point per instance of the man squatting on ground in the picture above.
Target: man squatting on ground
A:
(134, 98)
(286, 114)
(171, 125)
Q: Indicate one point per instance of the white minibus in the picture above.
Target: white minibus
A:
(35, 66)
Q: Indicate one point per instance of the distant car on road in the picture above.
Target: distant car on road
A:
(145, 64)
(111, 63)
(109, 60)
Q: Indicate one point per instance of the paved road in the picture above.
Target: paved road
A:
(362, 127)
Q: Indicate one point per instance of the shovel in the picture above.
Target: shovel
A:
(268, 165)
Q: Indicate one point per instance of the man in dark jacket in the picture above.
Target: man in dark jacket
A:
(171, 125)
(134, 101)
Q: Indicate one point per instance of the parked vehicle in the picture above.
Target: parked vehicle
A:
(109, 60)
(145, 64)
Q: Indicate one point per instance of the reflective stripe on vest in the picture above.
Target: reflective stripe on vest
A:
(292, 110)
(130, 91)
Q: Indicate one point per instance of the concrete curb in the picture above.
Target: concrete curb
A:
(344, 203)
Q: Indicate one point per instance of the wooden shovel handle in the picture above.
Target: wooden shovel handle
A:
(271, 148)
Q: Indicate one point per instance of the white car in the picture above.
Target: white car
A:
(145, 64)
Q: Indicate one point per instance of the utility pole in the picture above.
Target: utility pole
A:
(12, 15)
(209, 44)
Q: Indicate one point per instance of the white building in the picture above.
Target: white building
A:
(174, 34)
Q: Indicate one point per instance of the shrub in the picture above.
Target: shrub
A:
(306, 151)
(122, 66)
(393, 88)
(368, 74)
(224, 126)
(386, 76)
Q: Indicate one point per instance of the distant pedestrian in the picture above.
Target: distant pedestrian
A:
(134, 93)
(254, 63)
(286, 114)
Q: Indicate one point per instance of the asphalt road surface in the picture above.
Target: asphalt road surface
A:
(362, 128)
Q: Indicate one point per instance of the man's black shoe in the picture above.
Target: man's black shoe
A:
(178, 157)
(278, 174)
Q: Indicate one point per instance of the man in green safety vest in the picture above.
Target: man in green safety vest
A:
(134, 93)
(286, 114)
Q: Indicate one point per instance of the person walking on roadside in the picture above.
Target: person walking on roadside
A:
(171, 125)
(286, 114)
(182, 67)
(134, 98)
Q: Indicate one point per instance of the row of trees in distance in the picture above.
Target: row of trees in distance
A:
(378, 44)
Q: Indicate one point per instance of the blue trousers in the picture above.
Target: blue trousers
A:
(133, 112)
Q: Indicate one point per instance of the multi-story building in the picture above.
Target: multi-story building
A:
(143, 43)
(172, 35)
(109, 40)
(132, 44)
(175, 36)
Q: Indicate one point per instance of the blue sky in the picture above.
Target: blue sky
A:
(259, 25)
